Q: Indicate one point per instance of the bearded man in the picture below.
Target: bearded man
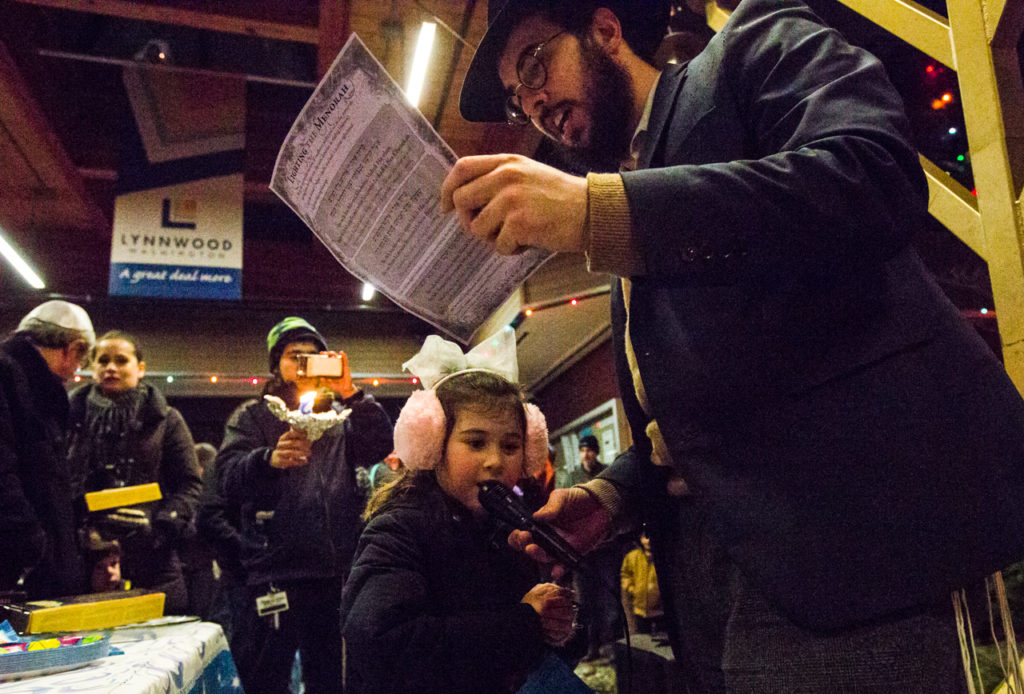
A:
(822, 448)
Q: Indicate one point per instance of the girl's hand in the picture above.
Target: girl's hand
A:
(554, 605)
(293, 450)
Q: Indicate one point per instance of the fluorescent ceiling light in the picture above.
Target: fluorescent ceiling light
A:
(18, 263)
(368, 291)
(419, 63)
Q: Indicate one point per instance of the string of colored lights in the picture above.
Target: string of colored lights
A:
(529, 309)
(361, 381)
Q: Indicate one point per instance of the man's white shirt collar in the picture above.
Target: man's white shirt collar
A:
(640, 134)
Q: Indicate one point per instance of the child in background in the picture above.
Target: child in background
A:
(640, 595)
(436, 600)
(104, 560)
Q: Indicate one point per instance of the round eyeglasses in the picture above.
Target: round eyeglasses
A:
(532, 74)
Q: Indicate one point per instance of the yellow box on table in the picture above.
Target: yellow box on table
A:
(84, 612)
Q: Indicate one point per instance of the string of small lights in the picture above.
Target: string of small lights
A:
(946, 129)
(533, 308)
(184, 378)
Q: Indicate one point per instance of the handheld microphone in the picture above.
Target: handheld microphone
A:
(506, 507)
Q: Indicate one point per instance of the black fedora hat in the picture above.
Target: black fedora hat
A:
(483, 96)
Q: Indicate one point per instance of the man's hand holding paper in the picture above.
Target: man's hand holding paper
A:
(513, 202)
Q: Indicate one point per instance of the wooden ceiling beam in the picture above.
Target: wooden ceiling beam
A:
(335, 26)
(449, 76)
(255, 191)
(164, 14)
(44, 173)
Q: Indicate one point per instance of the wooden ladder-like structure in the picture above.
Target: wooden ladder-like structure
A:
(978, 40)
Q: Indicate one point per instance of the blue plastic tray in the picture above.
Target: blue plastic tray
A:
(16, 666)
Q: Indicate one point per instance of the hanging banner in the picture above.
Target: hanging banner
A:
(180, 241)
(180, 189)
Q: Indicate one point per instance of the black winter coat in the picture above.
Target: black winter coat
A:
(159, 448)
(219, 524)
(433, 603)
(859, 448)
(303, 522)
(37, 524)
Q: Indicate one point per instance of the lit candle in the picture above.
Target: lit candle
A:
(306, 402)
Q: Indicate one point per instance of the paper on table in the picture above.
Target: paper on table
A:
(363, 169)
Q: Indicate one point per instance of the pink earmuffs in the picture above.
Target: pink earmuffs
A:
(419, 433)
(420, 429)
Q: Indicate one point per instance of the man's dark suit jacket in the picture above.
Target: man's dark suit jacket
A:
(859, 448)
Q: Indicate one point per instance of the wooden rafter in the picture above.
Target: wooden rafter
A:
(46, 175)
(163, 14)
(925, 30)
(335, 26)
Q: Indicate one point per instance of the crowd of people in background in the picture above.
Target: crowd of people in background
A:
(266, 513)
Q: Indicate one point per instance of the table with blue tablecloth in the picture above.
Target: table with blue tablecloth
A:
(185, 658)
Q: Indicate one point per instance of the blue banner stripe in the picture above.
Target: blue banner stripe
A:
(175, 281)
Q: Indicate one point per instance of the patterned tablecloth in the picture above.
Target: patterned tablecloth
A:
(189, 658)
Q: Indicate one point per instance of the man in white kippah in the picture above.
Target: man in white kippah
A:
(37, 525)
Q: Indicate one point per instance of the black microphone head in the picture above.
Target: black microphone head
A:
(500, 502)
(505, 506)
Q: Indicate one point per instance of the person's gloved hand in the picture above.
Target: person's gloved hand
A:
(118, 523)
(168, 528)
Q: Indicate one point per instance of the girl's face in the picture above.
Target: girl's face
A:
(115, 367)
(485, 444)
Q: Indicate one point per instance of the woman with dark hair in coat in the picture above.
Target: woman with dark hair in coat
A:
(123, 433)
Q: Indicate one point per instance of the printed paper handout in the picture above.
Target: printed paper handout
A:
(363, 169)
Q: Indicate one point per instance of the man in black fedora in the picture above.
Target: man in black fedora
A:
(823, 449)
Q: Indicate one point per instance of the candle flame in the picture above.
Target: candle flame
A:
(306, 401)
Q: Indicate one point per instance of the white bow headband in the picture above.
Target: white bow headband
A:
(440, 359)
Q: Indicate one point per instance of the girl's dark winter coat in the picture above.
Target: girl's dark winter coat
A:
(433, 603)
